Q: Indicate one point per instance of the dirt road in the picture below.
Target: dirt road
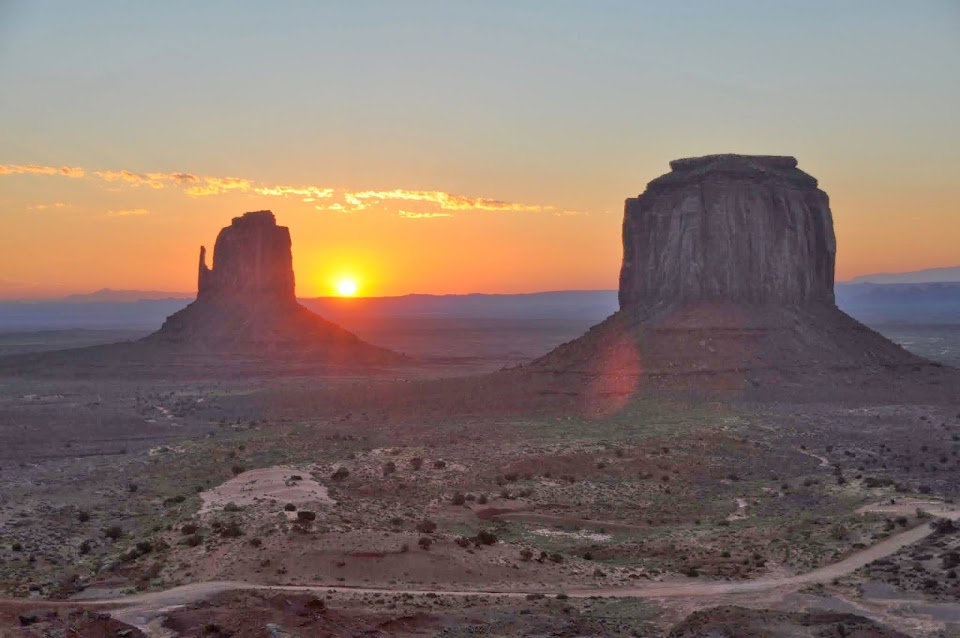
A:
(145, 610)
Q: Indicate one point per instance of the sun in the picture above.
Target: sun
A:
(346, 287)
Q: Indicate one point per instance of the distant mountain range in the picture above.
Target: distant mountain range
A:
(872, 303)
(930, 275)
(108, 295)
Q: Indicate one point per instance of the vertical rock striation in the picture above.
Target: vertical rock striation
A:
(252, 257)
(738, 228)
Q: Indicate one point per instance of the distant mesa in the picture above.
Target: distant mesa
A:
(246, 303)
(727, 283)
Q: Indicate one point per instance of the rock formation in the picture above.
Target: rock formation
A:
(747, 229)
(246, 303)
(737, 622)
(727, 285)
(252, 258)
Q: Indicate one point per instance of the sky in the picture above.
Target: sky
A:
(453, 146)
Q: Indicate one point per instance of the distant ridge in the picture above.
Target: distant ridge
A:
(927, 276)
(108, 295)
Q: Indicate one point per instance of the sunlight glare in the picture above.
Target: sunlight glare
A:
(346, 287)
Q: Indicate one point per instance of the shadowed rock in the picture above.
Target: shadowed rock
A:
(727, 285)
(740, 622)
(252, 258)
(748, 229)
(246, 303)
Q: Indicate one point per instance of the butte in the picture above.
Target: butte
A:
(726, 286)
(246, 304)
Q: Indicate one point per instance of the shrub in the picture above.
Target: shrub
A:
(290, 507)
(555, 558)
(193, 540)
(416, 463)
(389, 468)
(306, 516)
(188, 528)
(482, 499)
(486, 538)
(425, 542)
(462, 541)
(426, 527)
(83, 516)
(340, 474)
(458, 498)
(943, 526)
(525, 554)
(113, 532)
(237, 469)
(85, 547)
(439, 465)
(231, 530)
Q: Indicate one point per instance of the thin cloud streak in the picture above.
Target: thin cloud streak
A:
(48, 206)
(408, 214)
(21, 169)
(344, 201)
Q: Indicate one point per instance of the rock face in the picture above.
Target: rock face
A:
(252, 257)
(726, 287)
(740, 228)
(246, 304)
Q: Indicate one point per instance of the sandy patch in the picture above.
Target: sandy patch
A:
(579, 535)
(741, 512)
(265, 485)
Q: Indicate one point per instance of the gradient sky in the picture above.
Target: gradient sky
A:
(448, 146)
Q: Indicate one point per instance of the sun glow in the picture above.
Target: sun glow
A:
(346, 287)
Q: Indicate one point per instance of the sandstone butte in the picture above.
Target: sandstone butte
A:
(726, 285)
(246, 303)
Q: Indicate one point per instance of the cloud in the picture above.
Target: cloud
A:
(342, 201)
(219, 185)
(130, 212)
(446, 201)
(309, 193)
(407, 214)
(130, 177)
(48, 206)
(19, 169)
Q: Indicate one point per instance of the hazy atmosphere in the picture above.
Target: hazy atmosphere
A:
(503, 137)
(541, 318)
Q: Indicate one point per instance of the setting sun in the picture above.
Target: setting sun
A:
(346, 287)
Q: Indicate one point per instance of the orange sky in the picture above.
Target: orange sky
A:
(454, 147)
(81, 231)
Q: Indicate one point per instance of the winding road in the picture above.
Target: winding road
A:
(145, 611)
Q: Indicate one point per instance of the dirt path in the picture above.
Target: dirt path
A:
(824, 461)
(145, 610)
